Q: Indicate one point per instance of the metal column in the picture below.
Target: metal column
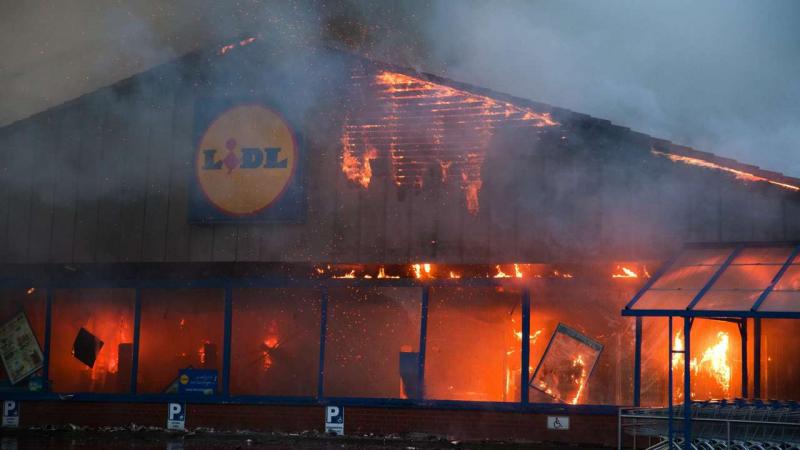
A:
(423, 341)
(323, 330)
(687, 384)
(526, 346)
(637, 364)
(757, 357)
(226, 346)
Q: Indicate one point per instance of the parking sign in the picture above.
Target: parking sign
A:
(176, 416)
(334, 420)
(10, 414)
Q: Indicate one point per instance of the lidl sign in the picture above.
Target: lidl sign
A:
(247, 165)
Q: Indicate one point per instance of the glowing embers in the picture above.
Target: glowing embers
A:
(564, 370)
(228, 47)
(739, 174)
(421, 127)
(712, 372)
(629, 271)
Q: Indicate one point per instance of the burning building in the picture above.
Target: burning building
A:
(310, 227)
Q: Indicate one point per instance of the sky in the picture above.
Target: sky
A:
(719, 75)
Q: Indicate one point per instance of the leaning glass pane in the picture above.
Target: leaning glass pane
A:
(686, 277)
(720, 300)
(473, 350)
(180, 348)
(92, 341)
(372, 345)
(748, 277)
(666, 300)
(275, 342)
(567, 365)
(781, 301)
(31, 303)
(592, 309)
(790, 281)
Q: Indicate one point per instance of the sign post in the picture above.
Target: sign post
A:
(334, 420)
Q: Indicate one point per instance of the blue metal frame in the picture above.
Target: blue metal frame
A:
(525, 344)
(226, 342)
(775, 280)
(710, 283)
(689, 314)
(637, 365)
(323, 331)
(423, 341)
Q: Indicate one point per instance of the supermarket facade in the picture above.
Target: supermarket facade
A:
(307, 228)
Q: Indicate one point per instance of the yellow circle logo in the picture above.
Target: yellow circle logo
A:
(246, 160)
(184, 379)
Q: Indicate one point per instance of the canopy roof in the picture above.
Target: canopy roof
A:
(725, 280)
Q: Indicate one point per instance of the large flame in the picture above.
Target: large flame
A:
(624, 272)
(714, 362)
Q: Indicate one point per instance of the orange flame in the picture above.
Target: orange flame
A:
(713, 362)
(581, 380)
(358, 171)
(351, 274)
(624, 272)
(500, 273)
(739, 174)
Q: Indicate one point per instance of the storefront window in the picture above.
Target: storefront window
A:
(92, 340)
(31, 302)
(180, 329)
(474, 344)
(780, 358)
(275, 342)
(372, 345)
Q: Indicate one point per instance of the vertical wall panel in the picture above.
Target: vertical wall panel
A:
(159, 161)
(133, 177)
(8, 139)
(47, 148)
(89, 183)
(21, 173)
(69, 171)
(177, 236)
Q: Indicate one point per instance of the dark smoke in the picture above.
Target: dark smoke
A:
(721, 76)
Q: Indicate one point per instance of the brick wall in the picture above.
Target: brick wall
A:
(455, 424)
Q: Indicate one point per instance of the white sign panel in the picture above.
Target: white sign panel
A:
(19, 349)
(10, 414)
(557, 423)
(176, 416)
(334, 420)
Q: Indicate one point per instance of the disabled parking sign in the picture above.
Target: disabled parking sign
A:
(558, 423)
(334, 420)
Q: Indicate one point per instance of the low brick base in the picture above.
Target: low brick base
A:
(455, 424)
